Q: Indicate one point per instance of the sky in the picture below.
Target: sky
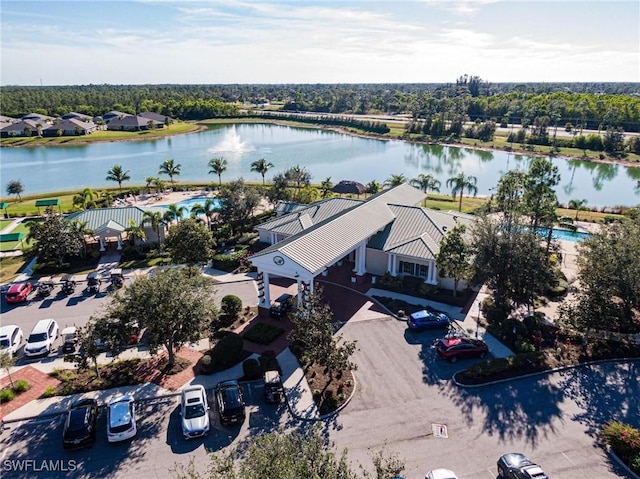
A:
(83, 42)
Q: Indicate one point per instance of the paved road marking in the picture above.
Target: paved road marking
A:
(568, 459)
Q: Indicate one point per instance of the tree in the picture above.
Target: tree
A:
(578, 205)
(209, 209)
(325, 187)
(54, 238)
(238, 201)
(7, 361)
(300, 453)
(298, 175)
(394, 180)
(219, 166)
(149, 181)
(85, 199)
(425, 183)
(173, 305)
(135, 233)
(460, 183)
(169, 168)
(174, 212)
(154, 218)
(372, 187)
(609, 276)
(261, 166)
(509, 199)
(189, 242)
(107, 197)
(454, 257)
(540, 198)
(312, 326)
(80, 229)
(117, 174)
(15, 187)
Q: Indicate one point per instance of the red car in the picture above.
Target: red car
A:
(18, 292)
(455, 348)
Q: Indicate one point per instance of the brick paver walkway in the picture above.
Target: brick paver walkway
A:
(39, 382)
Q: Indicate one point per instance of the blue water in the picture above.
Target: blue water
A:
(564, 235)
(188, 204)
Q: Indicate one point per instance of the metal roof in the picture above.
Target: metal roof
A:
(109, 217)
(328, 241)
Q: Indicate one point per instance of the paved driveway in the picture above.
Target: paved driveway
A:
(403, 388)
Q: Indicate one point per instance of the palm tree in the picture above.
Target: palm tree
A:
(107, 196)
(394, 180)
(325, 187)
(85, 199)
(135, 232)
(426, 183)
(578, 205)
(460, 183)
(116, 173)
(174, 212)
(208, 209)
(159, 184)
(79, 229)
(154, 218)
(219, 166)
(261, 166)
(150, 180)
(372, 187)
(170, 169)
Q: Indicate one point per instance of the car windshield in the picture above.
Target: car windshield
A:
(4, 343)
(194, 410)
(231, 398)
(77, 419)
(37, 337)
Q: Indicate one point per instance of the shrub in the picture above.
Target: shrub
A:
(231, 306)
(21, 386)
(251, 369)
(6, 395)
(227, 352)
(625, 442)
(263, 333)
(49, 392)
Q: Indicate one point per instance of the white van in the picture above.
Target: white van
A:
(42, 337)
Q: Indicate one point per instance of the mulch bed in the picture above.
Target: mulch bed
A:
(329, 394)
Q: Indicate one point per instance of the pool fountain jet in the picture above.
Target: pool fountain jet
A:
(232, 145)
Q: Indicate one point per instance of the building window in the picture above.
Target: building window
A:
(414, 269)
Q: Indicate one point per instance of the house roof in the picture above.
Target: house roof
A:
(8, 119)
(37, 117)
(138, 121)
(21, 125)
(113, 218)
(76, 115)
(152, 115)
(327, 241)
(114, 114)
(70, 124)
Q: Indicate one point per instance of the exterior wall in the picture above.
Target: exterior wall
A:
(264, 236)
(376, 262)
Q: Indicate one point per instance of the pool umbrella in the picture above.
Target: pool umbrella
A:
(351, 187)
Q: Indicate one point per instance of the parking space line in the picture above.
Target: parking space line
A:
(568, 459)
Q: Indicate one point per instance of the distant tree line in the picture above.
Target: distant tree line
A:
(596, 106)
(342, 121)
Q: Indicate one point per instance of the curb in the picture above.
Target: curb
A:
(540, 373)
(323, 417)
(621, 463)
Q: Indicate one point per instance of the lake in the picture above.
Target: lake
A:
(323, 153)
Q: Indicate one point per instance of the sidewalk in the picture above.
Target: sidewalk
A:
(467, 322)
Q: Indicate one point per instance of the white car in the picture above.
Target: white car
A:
(194, 411)
(121, 419)
(42, 337)
(441, 474)
(10, 339)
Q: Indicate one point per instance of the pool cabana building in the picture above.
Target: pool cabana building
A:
(388, 232)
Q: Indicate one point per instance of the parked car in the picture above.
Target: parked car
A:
(69, 339)
(10, 339)
(68, 284)
(518, 466)
(282, 305)
(42, 337)
(230, 402)
(427, 320)
(45, 287)
(18, 292)
(80, 424)
(441, 474)
(273, 390)
(117, 278)
(194, 411)
(456, 348)
(121, 419)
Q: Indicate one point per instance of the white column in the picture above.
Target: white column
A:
(119, 242)
(427, 279)
(273, 238)
(394, 265)
(267, 296)
(101, 239)
(361, 256)
(299, 292)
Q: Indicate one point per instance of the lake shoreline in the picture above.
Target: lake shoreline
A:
(202, 126)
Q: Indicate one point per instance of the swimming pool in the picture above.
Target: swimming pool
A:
(188, 204)
(563, 235)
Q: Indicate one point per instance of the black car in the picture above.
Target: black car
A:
(282, 305)
(80, 424)
(230, 402)
(518, 466)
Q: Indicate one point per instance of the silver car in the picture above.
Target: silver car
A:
(194, 411)
(121, 419)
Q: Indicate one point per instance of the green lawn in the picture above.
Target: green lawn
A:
(5, 223)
